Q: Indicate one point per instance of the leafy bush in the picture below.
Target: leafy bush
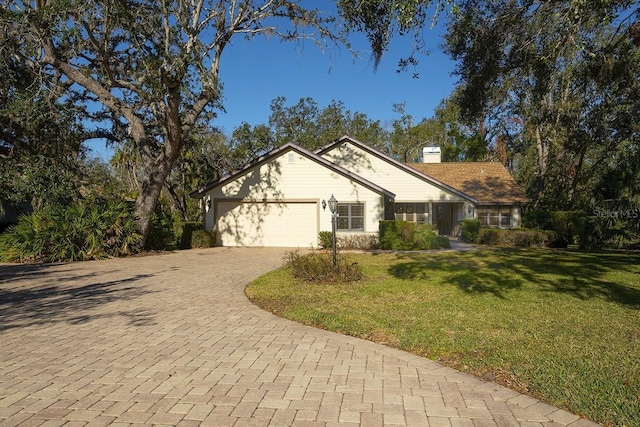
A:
(203, 239)
(318, 267)
(326, 239)
(470, 230)
(393, 234)
(617, 225)
(188, 228)
(565, 224)
(396, 235)
(403, 235)
(80, 231)
(519, 238)
(161, 235)
(592, 236)
(424, 238)
(539, 219)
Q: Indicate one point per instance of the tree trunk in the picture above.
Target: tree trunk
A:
(542, 150)
(576, 176)
(152, 183)
(179, 202)
(158, 160)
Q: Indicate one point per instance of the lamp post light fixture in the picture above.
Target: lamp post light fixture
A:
(333, 207)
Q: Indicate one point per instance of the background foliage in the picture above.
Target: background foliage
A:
(77, 232)
(549, 89)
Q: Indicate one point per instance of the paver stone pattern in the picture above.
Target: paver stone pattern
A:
(171, 339)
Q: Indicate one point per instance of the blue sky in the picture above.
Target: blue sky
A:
(254, 72)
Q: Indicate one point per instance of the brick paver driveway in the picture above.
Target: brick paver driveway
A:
(171, 339)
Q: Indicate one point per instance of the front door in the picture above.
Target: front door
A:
(443, 218)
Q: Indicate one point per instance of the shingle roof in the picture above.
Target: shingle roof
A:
(487, 182)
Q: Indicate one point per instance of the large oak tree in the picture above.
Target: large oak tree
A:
(150, 68)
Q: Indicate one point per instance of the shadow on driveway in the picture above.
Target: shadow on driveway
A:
(45, 294)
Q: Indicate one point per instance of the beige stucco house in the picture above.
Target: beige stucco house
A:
(277, 199)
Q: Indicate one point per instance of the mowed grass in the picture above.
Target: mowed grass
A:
(561, 326)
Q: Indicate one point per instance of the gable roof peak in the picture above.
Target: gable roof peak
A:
(301, 150)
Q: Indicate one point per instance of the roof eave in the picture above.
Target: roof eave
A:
(394, 162)
(311, 155)
(227, 177)
(502, 202)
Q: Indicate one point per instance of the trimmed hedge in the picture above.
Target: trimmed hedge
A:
(348, 241)
(517, 238)
(358, 241)
(203, 239)
(408, 236)
(470, 230)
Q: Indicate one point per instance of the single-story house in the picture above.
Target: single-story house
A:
(277, 200)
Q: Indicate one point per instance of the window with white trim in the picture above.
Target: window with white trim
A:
(412, 212)
(350, 217)
(494, 216)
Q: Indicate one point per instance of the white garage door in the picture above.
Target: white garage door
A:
(267, 224)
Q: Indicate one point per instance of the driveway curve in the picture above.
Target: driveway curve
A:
(171, 339)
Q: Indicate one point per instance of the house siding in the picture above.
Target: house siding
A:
(265, 191)
(296, 178)
(412, 188)
(407, 187)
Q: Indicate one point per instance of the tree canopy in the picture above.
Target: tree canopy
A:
(559, 80)
(549, 88)
(153, 67)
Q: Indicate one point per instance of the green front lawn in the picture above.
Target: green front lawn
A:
(562, 326)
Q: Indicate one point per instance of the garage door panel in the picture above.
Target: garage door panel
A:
(267, 224)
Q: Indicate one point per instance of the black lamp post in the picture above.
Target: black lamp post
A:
(333, 207)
